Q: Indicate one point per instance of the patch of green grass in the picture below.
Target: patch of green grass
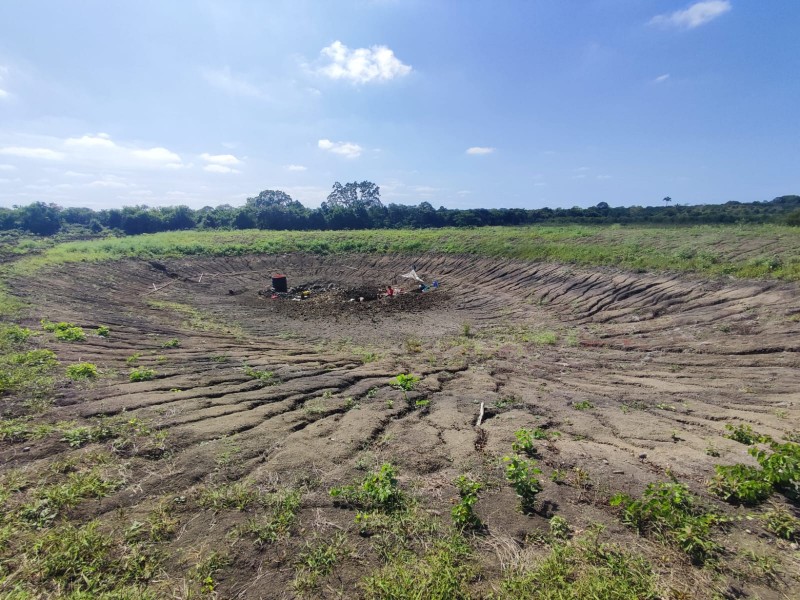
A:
(744, 434)
(27, 372)
(220, 358)
(205, 570)
(50, 500)
(670, 513)
(317, 560)
(83, 562)
(583, 405)
(580, 570)
(631, 247)
(276, 525)
(196, 319)
(129, 436)
(521, 474)
(379, 490)
(142, 374)
(239, 495)
(22, 429)
(133, 358)
(82, 371)
(463, 513)
(780, 522)
(443, 572)
(172, 343)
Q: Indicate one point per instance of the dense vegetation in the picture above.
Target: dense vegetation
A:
(357, 205)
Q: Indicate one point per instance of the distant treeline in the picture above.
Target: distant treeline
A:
(357, 205)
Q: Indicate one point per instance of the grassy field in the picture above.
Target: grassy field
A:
(751, 251)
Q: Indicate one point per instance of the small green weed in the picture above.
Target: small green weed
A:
(82, 371)
(133, 358)
(463, 512)
(559, 528)
(265, 378)
(781, 522)
(142, 374)
(583, 405)
(744, 434)
(64, 331)
(204, 571)
(239, 495)
(171, 343)
(318, 560)
(269, 529)
(521, 473)
(405, 382)
(102, 331)
(378, 491)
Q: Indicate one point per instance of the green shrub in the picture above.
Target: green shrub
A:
(82, 371)
(173, 343)
(521, 473)
(463, 513)
(524, 443)
(559, 528)
(142, 374)
(740, 483)
(781, 466)
(64, 331)
(14, 334)
(670, 513)
(378, 491)
(103, 331)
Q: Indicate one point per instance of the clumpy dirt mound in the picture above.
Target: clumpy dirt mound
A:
(628, 379)
(329, 302)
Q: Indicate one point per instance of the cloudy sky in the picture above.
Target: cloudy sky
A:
(482, 103)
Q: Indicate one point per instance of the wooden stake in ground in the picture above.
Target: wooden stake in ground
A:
(480, 417)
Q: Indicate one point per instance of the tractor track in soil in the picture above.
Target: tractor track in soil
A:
(653, 354)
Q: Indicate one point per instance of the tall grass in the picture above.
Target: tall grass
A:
(751, 251)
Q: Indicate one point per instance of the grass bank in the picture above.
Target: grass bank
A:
(747, 251)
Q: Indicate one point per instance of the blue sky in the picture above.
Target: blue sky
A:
(459, 103)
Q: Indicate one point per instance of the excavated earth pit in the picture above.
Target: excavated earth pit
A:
(638, 372)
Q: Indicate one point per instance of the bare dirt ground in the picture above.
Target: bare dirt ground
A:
(638, 372)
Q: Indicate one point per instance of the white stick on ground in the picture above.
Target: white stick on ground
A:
(480, 417)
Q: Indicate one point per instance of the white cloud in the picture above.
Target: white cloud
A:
(697, 14)
(346, 149)
(3, 93)
(661, 78)
(295, 168)
(220, 159)
(107, 183)
(362, 65)
(26, 152)
(604, 176)
(8, 168)
(230, 83)
(157, 155)
(101, 140)
(219, 169)
(477, 150)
